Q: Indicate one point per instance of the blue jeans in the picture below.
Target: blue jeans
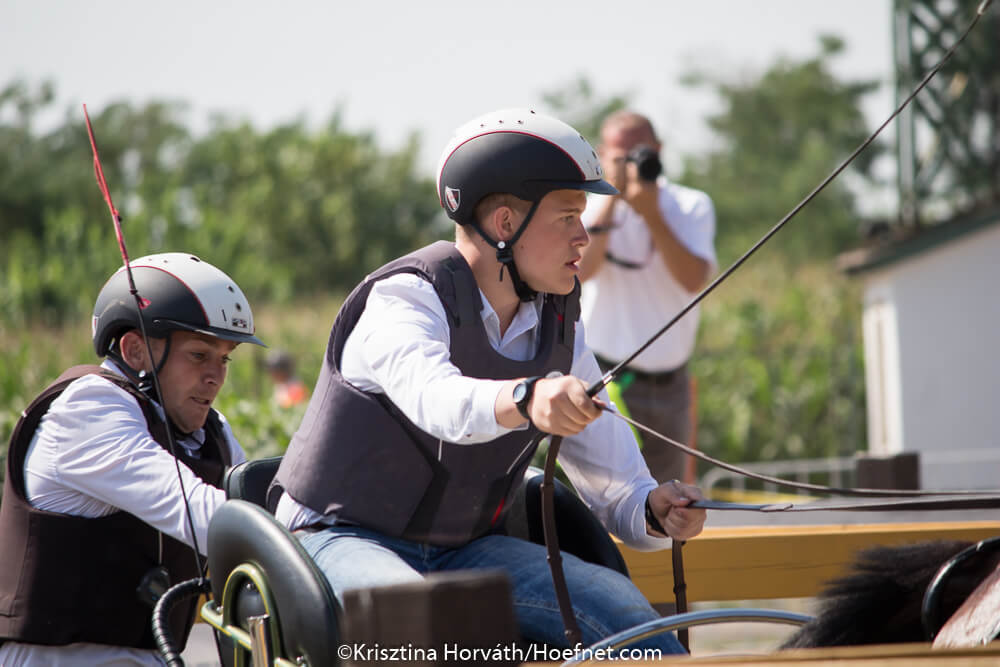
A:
(604, 601)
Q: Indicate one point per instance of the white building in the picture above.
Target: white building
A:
(932, 349)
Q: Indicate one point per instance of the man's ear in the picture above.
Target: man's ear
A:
(503, 223)
(133, 350)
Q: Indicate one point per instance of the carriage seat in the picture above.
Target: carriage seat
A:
(258, 567)
(250, 480)
(579, 531)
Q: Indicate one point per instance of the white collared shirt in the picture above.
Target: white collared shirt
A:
(400, 347)
(92, 455)
(623, 307)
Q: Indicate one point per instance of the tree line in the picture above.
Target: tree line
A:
(298, 213)
(291, 211)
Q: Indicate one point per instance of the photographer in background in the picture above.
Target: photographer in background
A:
(651, 250)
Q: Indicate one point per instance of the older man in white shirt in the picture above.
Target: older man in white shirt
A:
(94, 519)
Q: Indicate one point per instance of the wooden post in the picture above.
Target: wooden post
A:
(901, 471)
(436, 621)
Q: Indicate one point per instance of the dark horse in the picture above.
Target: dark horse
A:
(879, 601)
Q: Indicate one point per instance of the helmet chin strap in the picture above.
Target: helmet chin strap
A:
(524, 293)
(142, 379)
(505, 255)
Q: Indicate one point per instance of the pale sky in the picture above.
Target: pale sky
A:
(396, 67)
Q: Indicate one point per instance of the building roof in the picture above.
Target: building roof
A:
(901, 244)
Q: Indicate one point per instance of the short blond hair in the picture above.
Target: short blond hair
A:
(492, 202)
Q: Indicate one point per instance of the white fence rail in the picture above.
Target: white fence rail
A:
(838, 472)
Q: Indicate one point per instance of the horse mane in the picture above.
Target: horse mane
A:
(879, 600)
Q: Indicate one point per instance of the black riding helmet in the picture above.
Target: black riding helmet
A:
(518, 152)
(179, 292)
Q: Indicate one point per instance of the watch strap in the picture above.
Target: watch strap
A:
(529, 390)
(651, 519)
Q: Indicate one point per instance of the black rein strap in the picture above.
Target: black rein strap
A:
(572, 629)
(680, 589)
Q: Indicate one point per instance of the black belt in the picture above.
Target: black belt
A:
(662, 377)
(317, 526)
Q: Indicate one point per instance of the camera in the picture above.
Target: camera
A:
(647, 162)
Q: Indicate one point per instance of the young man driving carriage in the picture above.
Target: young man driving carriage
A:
(440, 367)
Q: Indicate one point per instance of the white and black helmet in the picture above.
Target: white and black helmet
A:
(515, 151)
(179, 292)
(518, 152)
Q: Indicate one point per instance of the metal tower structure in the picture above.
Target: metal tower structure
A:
(948, 139)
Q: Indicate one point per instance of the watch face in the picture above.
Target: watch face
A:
(519, 391)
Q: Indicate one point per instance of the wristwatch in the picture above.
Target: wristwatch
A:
(651, 519)
(522, 394)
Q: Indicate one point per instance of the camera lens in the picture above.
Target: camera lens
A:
(647, 162)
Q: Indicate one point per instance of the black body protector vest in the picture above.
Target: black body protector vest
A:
(66, 579)
(356, 454)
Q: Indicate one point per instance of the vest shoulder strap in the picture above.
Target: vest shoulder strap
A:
(31, 416)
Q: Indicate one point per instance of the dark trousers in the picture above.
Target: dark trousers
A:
(661, 401)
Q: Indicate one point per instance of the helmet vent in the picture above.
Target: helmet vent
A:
(239, 307)
(230, 288)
